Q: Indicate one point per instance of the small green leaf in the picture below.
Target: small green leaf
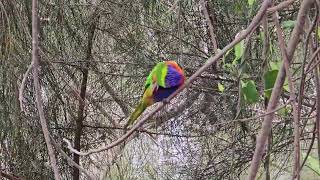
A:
(250, 2)
(286, 86)
(245, 76)
(227, 66)
(220, 87)
(275, 65)
(238, 51)
(261, 36)
(318, 32)
(224, 56)
(288, 24)
(249, 90)
(284, 111)
(269, 80)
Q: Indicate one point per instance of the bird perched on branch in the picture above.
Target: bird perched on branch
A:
(165, 78)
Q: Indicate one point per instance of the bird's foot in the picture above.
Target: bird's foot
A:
(165, 101)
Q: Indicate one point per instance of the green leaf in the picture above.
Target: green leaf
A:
(275, 65)
(249, 91)
(220, 87)
(288, 24)
(250, 2)
(312, 163)
(286, 86)
(224, 56)
(284, 111)
(269, 80)
(261, 36)
(318, 32)
(238, 51)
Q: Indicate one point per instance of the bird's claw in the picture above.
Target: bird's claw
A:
(166, 101)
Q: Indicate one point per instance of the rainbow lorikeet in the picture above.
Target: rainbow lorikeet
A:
(165, 78)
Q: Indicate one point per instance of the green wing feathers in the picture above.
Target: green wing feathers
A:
(159, 72)
(137, 112)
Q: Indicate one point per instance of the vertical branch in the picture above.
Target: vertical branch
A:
(296, 165)
(179, 31)
(204, 7)
(265, 58)
(314, 44)
(83, 89)
(35, 61)
(310, 27)
(316, 76)
(275, 96)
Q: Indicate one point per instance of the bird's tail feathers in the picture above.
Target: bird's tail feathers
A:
(137, 112)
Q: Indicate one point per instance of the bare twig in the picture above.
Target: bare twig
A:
(35, 60)
(280, 6)
(311, 145)
(9, 176)
(303, 74)
(70, 161)
(112, 92)
(23, 85)
(83, 90)
(296, 166)
(256, 20)
(314, 44)
(265, 51)
(216, 124)
(204, 7)
(314, 55)
(266, 125)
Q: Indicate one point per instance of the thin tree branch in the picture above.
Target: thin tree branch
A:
(309, 68)
(303, 74)
(280, 6)
(204, 8)
(265, 52)
(296, 166)
(216, 124)
(70, 161)
(276, 92)
(83, 90)
(314, 44)
(310, 146)
(35, 60)
(112, 92)
(9, 176)
(23, 85)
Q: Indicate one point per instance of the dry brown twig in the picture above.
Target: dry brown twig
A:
(23, 85)
(204, 4)
(9, 176)
(255, 21)
(280, 6)
(296, 165)
(70, 161)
